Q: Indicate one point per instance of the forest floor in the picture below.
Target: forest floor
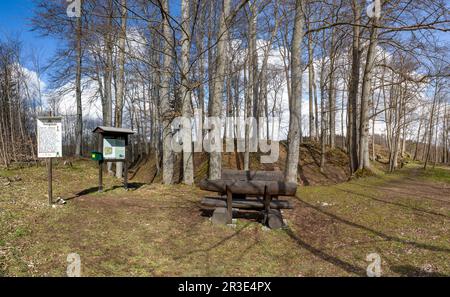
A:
(158, 230)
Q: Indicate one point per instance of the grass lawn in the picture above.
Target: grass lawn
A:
(158, 230)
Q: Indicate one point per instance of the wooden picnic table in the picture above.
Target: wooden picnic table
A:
(249, 190)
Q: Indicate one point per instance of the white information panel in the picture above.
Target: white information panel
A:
(49, 137)
(113, 148)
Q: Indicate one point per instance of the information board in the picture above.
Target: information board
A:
(49, 137)
(113, 148)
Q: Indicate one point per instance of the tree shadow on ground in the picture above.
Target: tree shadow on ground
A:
(215, 245)
(376, 232)
(324, 256)
(254, 216)
(412, 271)
(430, 212)
(91, 190)
(413, 194)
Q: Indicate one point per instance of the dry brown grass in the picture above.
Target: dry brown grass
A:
(160, 230)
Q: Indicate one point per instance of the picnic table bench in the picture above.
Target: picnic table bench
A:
(249, 190)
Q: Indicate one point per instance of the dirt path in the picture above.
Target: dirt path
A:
(403, 218)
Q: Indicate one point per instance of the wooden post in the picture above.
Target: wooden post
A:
(125, 178)
(100, 176)
(100, 163)
(266, 200)
(50, 181)
(125, 164)
(229, 206)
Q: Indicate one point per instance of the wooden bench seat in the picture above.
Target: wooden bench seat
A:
(251, 187)
(249, 190)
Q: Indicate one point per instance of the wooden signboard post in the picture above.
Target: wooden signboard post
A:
(112, 147)
(49, 140)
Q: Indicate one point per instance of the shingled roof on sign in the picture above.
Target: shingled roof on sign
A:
(104, 129)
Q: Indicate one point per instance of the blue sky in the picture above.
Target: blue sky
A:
(15, 22)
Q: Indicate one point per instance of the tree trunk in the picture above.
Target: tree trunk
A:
(332, 93)
(108, 73)
(417, 140)
(121, 77)
(323, 114)
(166, 109)
(311, 90)
(248, 114)
(188, 164)
(436, 133)
(215, 158)
(253, 57)
(107, 112)
(79, 122)
(445, 130)
(364, 161)
(296, 98)
(430, 125)
(353, 88)
(201, 71)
